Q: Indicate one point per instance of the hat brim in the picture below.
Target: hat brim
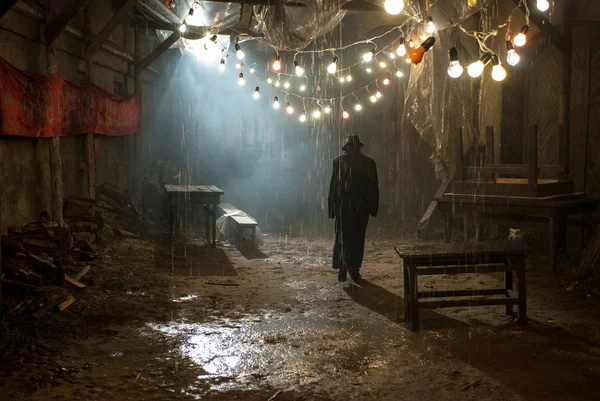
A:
(349, 145)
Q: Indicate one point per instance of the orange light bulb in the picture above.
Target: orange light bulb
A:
(416, 55)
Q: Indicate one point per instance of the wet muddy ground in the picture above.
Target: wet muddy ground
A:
(276, 325)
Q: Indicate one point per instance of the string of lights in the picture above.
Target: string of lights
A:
(412, 54)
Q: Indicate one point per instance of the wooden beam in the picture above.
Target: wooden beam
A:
(110, 26)
(7, 5)
(353, 5)
(56, 26)
(160, 49)
(191, 29)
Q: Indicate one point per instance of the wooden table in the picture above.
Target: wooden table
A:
(456, 258)
(208, 196)
(553, 210)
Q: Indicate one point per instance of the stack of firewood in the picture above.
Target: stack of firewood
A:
(35, 254)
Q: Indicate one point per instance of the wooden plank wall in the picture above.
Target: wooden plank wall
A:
(593, 131)
(544, 88)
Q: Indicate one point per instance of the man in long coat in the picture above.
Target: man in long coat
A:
(353, 196)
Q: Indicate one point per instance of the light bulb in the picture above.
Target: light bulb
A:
(252, 70)
(411, 44)
(543, 5)
(472, 3)
(277, 84)
(302, 88)
(332, 67)
(269, 80)
(190, 15)
(368, 56)
(256, 94)
(407, 61)
(342, 80)
(286, 84)
(393, 7)
(392, 55)
(382, 65)
(241, 80)
(327, 109)
(455, 70)
(317, 113)
(378, 94)
(277, 64)
(401, 51)
(239, 65)
(298, 68)
(222, 65)
(430, 26)
(498, 72)
(357, 107)
(349, 78)
(373, 98)
(303, 116)
(399, 74)
(476, 69)
(368, 69)
(521, 39)
(183, 27)
(238, 52)
(276, 102)
(289, 108)
(512, 57)
(386, 81)
(416, 55)
(345, 115)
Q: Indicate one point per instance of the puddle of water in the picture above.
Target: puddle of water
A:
(185, 298)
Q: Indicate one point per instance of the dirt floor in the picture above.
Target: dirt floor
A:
(276, 325)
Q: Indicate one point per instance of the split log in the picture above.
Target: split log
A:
(52, 274)
(11, 246)
(113, 192)
(127, 234)
(82, 273)
(86, 203)
(66, 303)
(80, 226)
(18, 270)
(89, 237)
(17, 288)
(75, 286)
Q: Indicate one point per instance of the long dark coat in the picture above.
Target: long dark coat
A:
(353, 196)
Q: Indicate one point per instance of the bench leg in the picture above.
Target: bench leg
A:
(552, 242)
(414, 324)
(508, 284)
(207, 223)
(214, 226)
(522, 288)
(406, 295)
(254, 236)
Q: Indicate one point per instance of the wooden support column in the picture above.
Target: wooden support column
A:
(141, 65)
(137, 88)
(58, 24)
(55, 159)
(459, 164)
(90, 152)
(110, 26)
(532, 159)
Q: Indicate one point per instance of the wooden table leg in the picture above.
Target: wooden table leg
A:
(552, 243)
(207, 223)
(406, 295)
(214, 225)
(561, 235)
(508, 284)
(415, 324)
(447, 227)
(587, 227)
(522, 289)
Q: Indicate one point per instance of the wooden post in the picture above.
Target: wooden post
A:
(458, 156)
(55, 159)
(563, 151)
(489, 149)
(137, 89)
(90, 153)
(532, 160)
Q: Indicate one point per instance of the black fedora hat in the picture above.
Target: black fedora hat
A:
(353, 141)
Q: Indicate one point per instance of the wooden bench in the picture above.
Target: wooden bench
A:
(241, 223)
(457, 258)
